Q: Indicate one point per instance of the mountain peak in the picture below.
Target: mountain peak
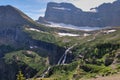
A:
(11, 16)
(104, 15)
(62, 6)
(56, 11)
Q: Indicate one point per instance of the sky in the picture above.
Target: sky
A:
(36, 8)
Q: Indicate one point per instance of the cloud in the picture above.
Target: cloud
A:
(83, 4)
(87, 4)
(42, 10)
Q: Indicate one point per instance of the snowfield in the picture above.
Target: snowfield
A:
(69, 26)
(109, 31)
(61, 8)
(67, 34)
(33, 29)
(85, 34)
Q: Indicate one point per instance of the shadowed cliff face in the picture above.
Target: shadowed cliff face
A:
(109, 14)
(106, 14)
(12, 23)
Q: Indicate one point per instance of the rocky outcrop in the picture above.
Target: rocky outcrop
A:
(42, 20)
(106, 14)
(12, 23)
(11, 17)
(109, 14)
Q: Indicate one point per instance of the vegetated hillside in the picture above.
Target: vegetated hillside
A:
(96, 55)
(104, 15)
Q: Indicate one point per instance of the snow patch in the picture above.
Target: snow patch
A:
(67, 34)
(33, 29)
(86, 34)
(69, 26)
(31, 47)
(61, 8)
(109, 31)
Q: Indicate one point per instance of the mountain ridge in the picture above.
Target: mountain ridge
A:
(12, 16)
(104, 15)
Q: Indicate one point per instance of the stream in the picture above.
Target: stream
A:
(61, 61)
(64, 56)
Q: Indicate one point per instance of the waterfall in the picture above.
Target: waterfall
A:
(43, 75)
(64, 56)
(62, 60)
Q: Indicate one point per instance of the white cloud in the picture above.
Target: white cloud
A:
(42, 10)
(87, 4)
(83, 4)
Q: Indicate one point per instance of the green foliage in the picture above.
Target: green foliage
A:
(29, 58)
(97, 54)
(63, 72)
(101, 49)
(20, 76)
(99, 70)
(43, 36)
(118, 67)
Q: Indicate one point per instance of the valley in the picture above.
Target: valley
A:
(59, 51)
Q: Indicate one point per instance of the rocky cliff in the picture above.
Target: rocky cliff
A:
(11, 17)
(12, 23)
(106, 14)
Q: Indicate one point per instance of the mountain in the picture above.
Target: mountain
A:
(12, 23)
(16, 30)
(104, 15)
(12, 16)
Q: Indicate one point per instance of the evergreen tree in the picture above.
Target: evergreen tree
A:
(20, 76)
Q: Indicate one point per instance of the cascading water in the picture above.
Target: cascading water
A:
(62, 60)
(64, 56)
(43, 75)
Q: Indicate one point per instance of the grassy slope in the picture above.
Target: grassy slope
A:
(29, 58)
(85, 45)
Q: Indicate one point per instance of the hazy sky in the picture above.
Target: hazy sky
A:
(36, 8)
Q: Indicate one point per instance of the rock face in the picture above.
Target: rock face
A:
(42, 20)
(106, 14)
(10, 16)
(12, 22)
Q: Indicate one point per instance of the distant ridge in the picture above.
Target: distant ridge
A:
(106, 14)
